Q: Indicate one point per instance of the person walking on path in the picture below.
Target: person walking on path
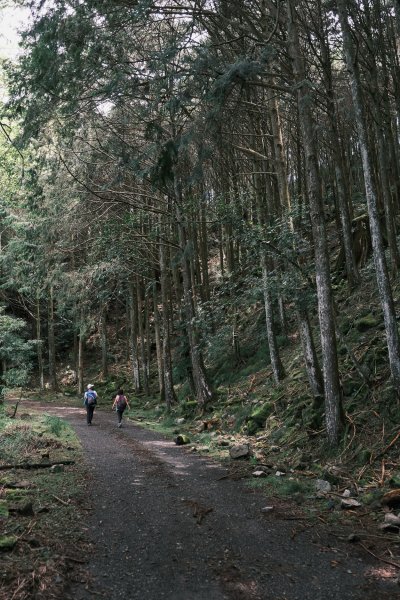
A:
(90, 401)
(120, 404)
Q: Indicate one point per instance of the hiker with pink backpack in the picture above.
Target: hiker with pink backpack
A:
(120, 404)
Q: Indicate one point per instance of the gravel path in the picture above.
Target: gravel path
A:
(169, 524)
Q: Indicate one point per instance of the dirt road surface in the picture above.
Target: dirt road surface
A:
(168, 524)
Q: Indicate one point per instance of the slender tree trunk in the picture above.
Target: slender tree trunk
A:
(81, 338)
(221, 251)
(157, 335)
(169, 393)
(39, 344)
(147, 333)
(204, 249)
(142, 347)
(353, 276)
(51, 342)
(382, 276)
(322, 267)
(104, 343)
(310, 356)
(276, 363)
(134, 337)
(204, 392)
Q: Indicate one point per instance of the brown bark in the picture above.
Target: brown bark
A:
(321, 255)
(51, 342)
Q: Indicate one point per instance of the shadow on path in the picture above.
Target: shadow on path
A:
(167, 524)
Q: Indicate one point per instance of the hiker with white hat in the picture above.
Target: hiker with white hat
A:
(90, 401)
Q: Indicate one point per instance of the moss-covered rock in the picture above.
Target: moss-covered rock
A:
(366, 322)
(257, 418)
(7, 542)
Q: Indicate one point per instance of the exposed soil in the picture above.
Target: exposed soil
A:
(166, 523)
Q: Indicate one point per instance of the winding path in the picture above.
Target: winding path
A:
(168, 524)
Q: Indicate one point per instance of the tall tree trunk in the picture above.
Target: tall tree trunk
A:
(168, 385)
(104, 342)
(382, 276)
(276, 363)
(147, 333)
(142, 347)
(134, 337)
(81, 339)
(39, 342)
(204, 392)
(353, 276)
(51, 342)
(310, 356)
(157, 335)
(204, 249)
(322, 267)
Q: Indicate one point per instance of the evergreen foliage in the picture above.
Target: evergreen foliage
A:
(190, 179)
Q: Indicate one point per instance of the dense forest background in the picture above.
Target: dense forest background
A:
(201, 195)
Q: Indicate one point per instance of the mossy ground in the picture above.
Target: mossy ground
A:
(40, 534)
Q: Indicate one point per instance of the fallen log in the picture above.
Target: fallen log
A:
(41, 465)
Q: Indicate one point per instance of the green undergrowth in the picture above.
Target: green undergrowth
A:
(284, 423)
(40, 508)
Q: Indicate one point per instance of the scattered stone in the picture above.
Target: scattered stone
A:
(25, 510)
(181, 440)
(267, 509)
(391, 527)
(259, 473)
(57, 469)
(300, 466)
(391, 499)
(240, 451)
(180, 420)
(323, 486)
(346, 494)
(20, 485)
(203, 449)
(392, 519)
(280, 473)
(223, 443)
(348, 503)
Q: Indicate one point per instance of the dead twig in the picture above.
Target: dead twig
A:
(394, 440)
(60, 500)
(76, 560)
(380, 558)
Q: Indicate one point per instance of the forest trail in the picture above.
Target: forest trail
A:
(166, 523)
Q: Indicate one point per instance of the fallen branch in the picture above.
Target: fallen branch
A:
(60, 500)
(394, 440)
(16, 406)
(388, 562)
(43, 465)
(76, 560)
